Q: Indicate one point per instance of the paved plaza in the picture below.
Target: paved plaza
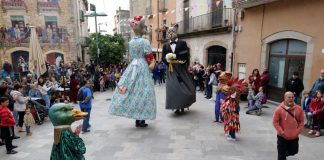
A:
(191, 136)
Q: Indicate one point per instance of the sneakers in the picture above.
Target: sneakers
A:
(85, 131)
(231, 139)
(317, 134)
(12, 152)
(311, 132)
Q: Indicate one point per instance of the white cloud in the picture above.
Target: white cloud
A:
(109, 7)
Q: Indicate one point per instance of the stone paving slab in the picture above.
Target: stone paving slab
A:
(191, 136)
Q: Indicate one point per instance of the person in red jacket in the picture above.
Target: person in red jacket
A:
(7, 123)
(316, 112)
(255, 80)
(288, 120)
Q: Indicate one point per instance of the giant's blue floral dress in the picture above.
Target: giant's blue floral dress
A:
(139, 101)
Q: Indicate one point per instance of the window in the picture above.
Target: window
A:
(51, 21)
(241, 70)
(18, 27)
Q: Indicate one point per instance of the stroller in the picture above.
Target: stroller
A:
(38, 110)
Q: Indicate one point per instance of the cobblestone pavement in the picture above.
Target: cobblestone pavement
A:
(191, 136)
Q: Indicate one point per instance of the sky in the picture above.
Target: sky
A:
(109, 7)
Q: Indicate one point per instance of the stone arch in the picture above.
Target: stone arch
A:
(51, 58)
(289, 34)
(9, 53)
(215, 43)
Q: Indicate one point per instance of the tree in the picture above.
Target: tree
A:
(111, 47)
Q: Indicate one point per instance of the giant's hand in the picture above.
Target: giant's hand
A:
(122, 89)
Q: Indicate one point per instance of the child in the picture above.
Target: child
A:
(257, 104)
(305, 105)
(250, 97)
(315, 112)
(7, 123)
(102, 84)
(29, 121)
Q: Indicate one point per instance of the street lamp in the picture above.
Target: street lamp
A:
(95, 14)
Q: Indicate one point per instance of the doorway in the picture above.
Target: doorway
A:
(285, 57)
(217, 54)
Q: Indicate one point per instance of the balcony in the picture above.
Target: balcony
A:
(46, 36)
(250, 3)
(48, 6)
(162, 36)
(163, 6)
(13, 5)
(214, 22)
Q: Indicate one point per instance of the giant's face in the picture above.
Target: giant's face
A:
(139, 27)
(172, 32)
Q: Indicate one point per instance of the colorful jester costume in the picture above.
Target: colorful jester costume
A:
(230, 107)
(67, 145)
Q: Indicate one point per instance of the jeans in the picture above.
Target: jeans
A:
(28, 129)
(309, 117)
(209, 91)
(47, 100)
(15, 114)
(296, 98)
(86, 120)
(286, 147)
(252, 108)
(21, 116)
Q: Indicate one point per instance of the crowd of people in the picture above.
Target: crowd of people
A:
(59, 84)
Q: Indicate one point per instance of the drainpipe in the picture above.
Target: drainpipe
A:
(234, 23)
(158, 25)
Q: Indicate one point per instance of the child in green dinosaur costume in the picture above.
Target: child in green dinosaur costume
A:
(67, 144)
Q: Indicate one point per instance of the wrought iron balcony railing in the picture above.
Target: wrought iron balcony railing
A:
(250, 3)
(217, 19)
(13, 5)
(48, 6)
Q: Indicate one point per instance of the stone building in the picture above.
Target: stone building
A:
(207, 29)
(159, 14)
(122, 25)
(284, 36)
(60, 27)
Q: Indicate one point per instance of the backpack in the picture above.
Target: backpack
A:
(264, 99)
(80, 94)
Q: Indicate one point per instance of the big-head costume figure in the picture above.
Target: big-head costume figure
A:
(135, 96)
(67, 144)
(180, 90)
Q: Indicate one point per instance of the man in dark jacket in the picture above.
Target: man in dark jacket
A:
(295, 85)
(318, 84)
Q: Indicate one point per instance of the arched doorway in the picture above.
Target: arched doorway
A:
(216, 54)
(15, 56)
(285, 57)
(55, 58)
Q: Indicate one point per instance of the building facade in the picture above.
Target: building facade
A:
(122, 25)
(207, 28)
(284, 36)
(60, 27)
(159, 15)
